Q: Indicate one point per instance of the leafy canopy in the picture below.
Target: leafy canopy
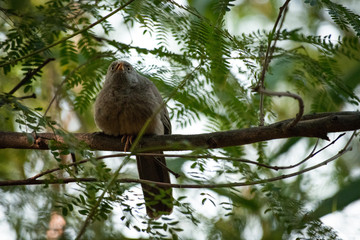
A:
(213, 71)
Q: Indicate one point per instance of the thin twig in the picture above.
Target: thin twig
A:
(284, 9)
(317, 142)
(105, 157)
(70, 36)
(26, 97)
(268, 57)
(312, 154)
(6, 13)
(351, 138)
(287, 94)
(176, 175)
(29, 75)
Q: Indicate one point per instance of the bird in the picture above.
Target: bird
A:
(126, 101)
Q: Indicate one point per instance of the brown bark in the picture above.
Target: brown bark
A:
(314, 125)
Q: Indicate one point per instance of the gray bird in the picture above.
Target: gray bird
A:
(122, 107)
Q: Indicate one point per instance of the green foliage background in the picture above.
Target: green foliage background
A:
(204, 43)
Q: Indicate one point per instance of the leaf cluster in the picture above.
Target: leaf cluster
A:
(213, 72)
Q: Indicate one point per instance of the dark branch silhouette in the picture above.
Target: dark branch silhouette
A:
(313, 125)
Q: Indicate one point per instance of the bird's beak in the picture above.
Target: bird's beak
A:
(120, 67)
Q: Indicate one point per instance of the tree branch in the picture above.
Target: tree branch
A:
(268, 57)
(233, 159)
(29, 75)
(31, 181)
(313, 125)
(13, 61)
(287, 94)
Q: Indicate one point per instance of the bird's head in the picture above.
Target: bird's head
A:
(121, 72)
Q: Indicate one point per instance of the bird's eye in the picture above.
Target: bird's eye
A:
(129, 68)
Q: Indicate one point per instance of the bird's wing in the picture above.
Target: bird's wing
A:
(164, 114)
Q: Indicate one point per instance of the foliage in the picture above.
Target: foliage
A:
(221, 69)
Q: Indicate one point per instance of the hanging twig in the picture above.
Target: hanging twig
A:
(287, 94)
(29, 75)
(268, 57)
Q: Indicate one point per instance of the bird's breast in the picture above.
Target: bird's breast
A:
(119, 112)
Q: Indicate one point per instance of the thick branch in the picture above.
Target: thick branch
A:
(34, 181)
(314, 125)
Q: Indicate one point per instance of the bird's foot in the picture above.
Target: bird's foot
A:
(128, 141)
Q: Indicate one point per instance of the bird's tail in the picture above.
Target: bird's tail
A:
(158, 199)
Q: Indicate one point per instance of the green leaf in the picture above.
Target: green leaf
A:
(83, 212)
(64, 211)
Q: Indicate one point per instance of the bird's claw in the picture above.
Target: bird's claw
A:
(128, 140)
